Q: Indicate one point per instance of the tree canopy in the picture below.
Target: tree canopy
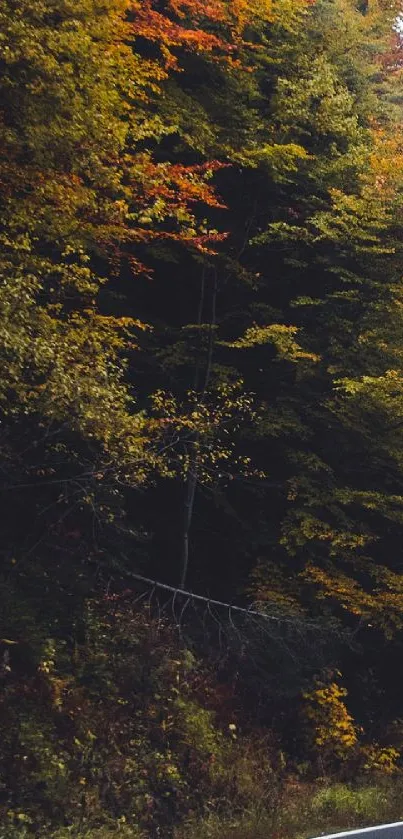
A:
(201, 383)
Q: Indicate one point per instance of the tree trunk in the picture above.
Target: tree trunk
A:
(190, 493)
(191, 481)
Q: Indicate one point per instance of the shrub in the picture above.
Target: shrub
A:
(345, 805)
(110, 729)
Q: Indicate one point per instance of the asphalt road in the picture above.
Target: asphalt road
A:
(382, 831)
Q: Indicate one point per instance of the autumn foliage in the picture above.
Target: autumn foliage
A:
(202, 384)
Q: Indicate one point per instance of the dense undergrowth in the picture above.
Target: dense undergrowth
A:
(304, 811)
(123, 731)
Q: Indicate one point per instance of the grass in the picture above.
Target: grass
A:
(302, 811)
(307, 811)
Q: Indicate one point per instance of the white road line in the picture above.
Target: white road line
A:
(392, 831)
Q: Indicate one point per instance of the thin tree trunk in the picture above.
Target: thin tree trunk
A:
(199, 322)
(192, 476)
(211, 337)
(188, 515)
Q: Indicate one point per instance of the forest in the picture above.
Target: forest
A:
(201, 418)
